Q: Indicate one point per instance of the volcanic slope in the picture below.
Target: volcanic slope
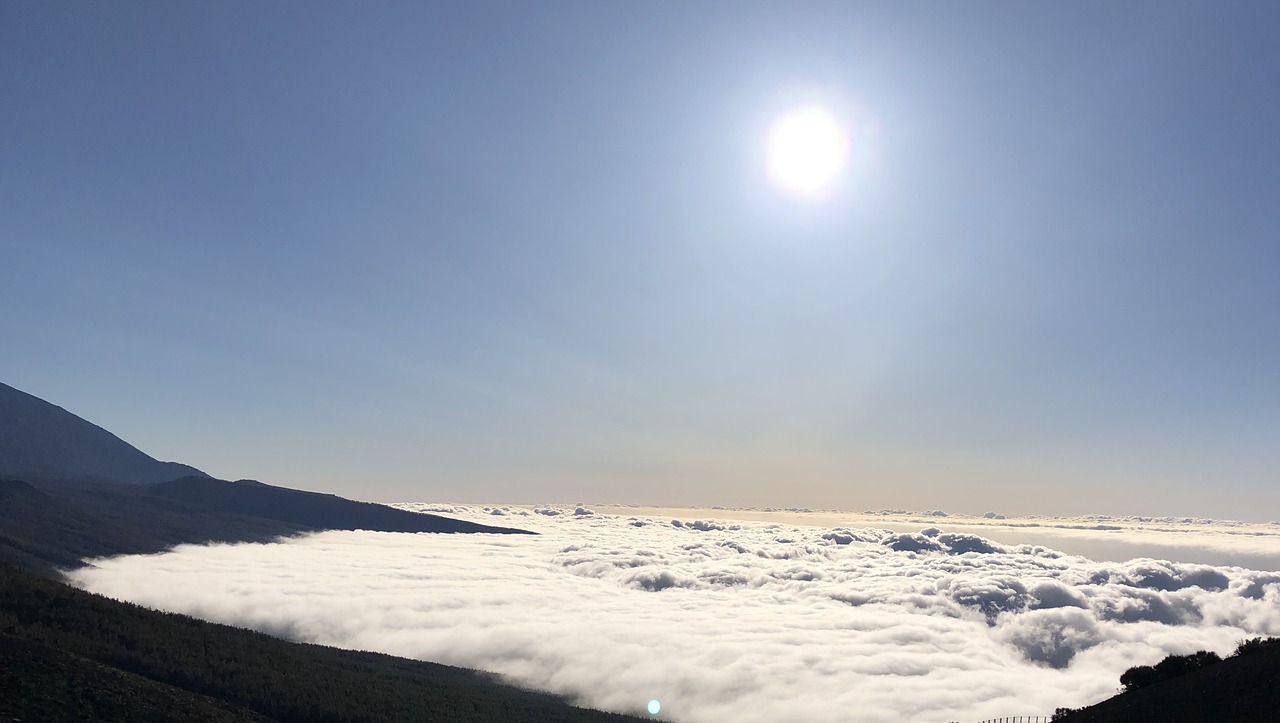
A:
(39, 440)
(1243, 687)
(70, 490)
(67, 654)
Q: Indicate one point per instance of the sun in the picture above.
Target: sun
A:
(807, 149)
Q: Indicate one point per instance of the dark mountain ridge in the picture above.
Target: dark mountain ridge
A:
(70, 490)
(39, 440)
(49, 525)
(1242, 687)
(311, 510)
(80, 492)
(66, 654)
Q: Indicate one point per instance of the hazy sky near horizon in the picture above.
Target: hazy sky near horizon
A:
(521, 252)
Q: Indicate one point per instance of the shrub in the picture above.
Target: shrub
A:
(1176, 665)
(1171, 667)
(1256, 645)
(1138, 677)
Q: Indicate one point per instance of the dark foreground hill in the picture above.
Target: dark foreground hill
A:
(39, 683)
(66, 654)
(77, 491)
(1243, 687)
(50, 524)
(39, 440)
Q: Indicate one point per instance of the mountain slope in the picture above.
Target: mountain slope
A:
(168, 660)
(309, 509)
(39, 440)
(38, 530)
(70, 490)
(50, 524)
(1240, 688)
(39, 683)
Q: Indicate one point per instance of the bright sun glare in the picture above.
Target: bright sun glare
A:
(807, 149)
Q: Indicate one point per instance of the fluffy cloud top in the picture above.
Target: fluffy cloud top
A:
(746, 621)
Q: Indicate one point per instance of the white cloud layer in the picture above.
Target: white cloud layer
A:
(721, 619)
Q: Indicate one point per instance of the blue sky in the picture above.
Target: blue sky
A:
(528, 252)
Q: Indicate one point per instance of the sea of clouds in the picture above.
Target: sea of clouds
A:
(748, 620)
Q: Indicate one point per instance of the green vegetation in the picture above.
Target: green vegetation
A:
(68, 654)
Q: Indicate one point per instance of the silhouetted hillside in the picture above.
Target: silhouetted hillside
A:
(1240, 688)
(74, 490)
(309, 509)
(39, 440)
(39, 684)
(57, 524)
(72, 655)
(69, 655)
(37, 529)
